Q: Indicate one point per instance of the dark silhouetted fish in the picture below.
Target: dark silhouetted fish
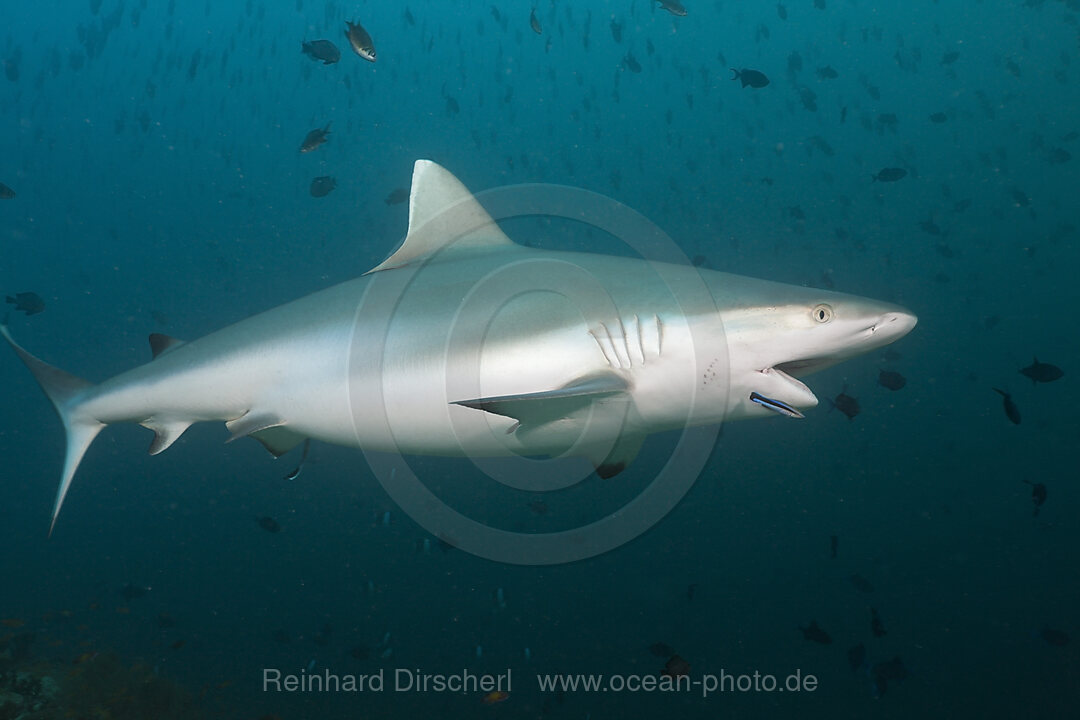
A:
(876, 626)
(861, 584)
(890, 175)
(846, 404)
(6, 193)
(827, 73)
(814, 633)
(1042, 372)
(322, 186)
(1057, 638)
(397, 196)
(781, 11)
(856, 657)
(950, 57)
(753, 78)
(360, 41)
(884, 672)
(616, 31)
(938, 118)
(323, 50)
(534, 23)
(1038, 495)
(28, 302)
(660, 649)
(131, 591)
(892, 380)
(675, 667)
(630, 63)
(672, 6)
(1011, 411)
(315, 138)
(268, 524)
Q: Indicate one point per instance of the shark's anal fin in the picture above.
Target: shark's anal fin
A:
(163, 343)
(442, 214)
(64, 390)
(538, 408)
(609, 462)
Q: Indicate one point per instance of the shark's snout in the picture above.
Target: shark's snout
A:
(893, 325)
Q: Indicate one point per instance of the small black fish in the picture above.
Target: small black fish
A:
(938, 118)
(131, 591)
(876, 626)
(856, 657)
(846, 404)
(814, 633)
(834, 545)
(29, 302)
(950, 57)
(660, 649)
(360, 651)
(630, 63)
(753, 78)
(861, 584)
(315, 138)
(690, 590)
(6, 193)
(268, 524)
(1011, 411)
(1038, 495)
(360, 41)
(781, 11)
(1057, 638)
(675, 667)
(534, 23)
(827, 73)
(890, 174)
(892, 380)
(323, 50)
(397, 196)
(673, 6)
(1040, 372)
(322, 186)
(165, 621)
(616, 31)
(883, 672)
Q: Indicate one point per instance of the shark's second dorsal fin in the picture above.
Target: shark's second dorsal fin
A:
(163, 343)
(442, 214)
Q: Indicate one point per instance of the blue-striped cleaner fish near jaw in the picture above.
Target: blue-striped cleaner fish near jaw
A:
(776, 406)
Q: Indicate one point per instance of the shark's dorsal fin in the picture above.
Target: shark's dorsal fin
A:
(163, 343)
(442, 214)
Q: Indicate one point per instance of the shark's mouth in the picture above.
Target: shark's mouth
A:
(784, 387)
(805, 366)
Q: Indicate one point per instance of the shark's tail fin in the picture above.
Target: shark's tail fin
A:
(63, 390)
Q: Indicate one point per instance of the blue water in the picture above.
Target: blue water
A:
(153, 151)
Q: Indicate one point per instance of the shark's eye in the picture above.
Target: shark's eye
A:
(823, 313)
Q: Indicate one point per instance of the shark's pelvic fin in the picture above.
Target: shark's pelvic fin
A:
(63, 389)
(442, 214)
(250, 423)
(279, 440)
(165, 433)
(163, 343)
(538, 408)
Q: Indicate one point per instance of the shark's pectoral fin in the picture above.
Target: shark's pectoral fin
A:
(279, 440)
(160, 344)
(610, 461)
(539, 408)
(250, 423)
(165, 433)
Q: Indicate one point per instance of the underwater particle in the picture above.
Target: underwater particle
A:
(6, 193)
(534, 23)
(360, 41)
(323, 50)
(861, 584)
(814, 633)
(1038, 495)
(753, 78)
(323, 186)
(891, 380)
(268, 524)
(27, 302)
(1041, 372)
(846, 404)
(397, 196)
(315, 138)
(495, 697)
(1011, 411)
(676, 666)
(890, 174)
(673, 6)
